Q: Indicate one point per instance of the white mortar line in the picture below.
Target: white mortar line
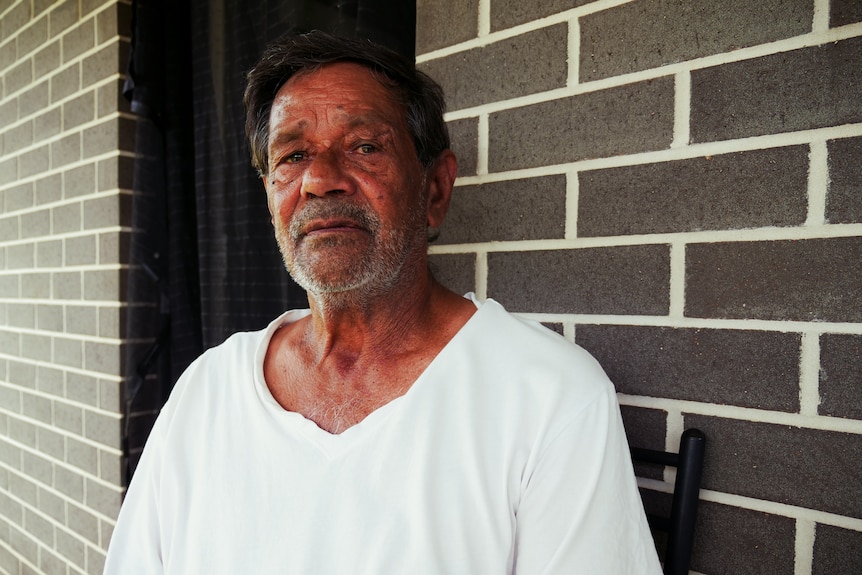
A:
(481, 275)
(820, 22)
(107, 377)
(681, 109)
(675, 427)
(677, 280)
(804, 547)
(574, 52)
(818, 183)
(820, 423)
(71, 336)
(482, 145)
(484, 18)
(809, 373)
(572, 195)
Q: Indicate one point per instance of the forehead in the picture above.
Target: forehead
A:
(340, 89)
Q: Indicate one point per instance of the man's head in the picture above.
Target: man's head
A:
(352, 147)
(421, 97)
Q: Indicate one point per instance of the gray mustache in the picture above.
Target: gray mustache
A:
(360, 216)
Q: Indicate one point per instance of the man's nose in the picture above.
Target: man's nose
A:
(326, 174)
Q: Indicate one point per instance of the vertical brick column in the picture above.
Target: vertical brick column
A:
(67, 142)
(676, 186)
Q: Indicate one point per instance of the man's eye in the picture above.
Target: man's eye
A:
(367, 149)
(294, 157)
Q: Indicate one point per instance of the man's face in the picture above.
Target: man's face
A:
(345, 188)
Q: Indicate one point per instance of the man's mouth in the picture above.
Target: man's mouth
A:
(331, 225)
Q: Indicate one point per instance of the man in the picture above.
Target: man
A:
(395, 427)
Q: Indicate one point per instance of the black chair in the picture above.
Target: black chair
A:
(683, 512)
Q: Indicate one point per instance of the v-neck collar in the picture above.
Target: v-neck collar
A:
(334, 444)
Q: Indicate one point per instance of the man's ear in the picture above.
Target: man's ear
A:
(441, 179)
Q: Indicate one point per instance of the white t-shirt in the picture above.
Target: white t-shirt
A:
(507, 455)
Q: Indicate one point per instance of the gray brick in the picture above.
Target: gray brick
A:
(104, 285)
(36, 467)
(8, 54)
(68, 352)
(69, 483)
(81, 320)
(96, 558)
(25, 546)
(37, 407)
(84, 523)
(21, 315)
(103, 499)
(36, 285)
(22, 374)
(106, 62)
(111, 467)
(803, 280)
(40, 6)
(51, 443)
(79, 181)
(108, 211)
(36, 224)
(752, 459)
(36, 347)
(33, 36)
(10, 342)
(19, 197)
(11, 509)
(49, 254)
(112, 322)
(10, 398)
(65, 83)
(79, 39)
(52, 505)
(624, 120)
(66, 218)
(47, 124)
(109, 136)
(21, 256)
(731, 191)
(617, 280)
(116, 173)
(738, 540)
(34, 100)
(9, 228)
(843, 12)
(8, 112)
(49, 380)
(18, 138)
(14, 19)
(68, 417)
(114, 247)
(844, 198)
(82, 455)
(110, 396)
(66, 150)
(8, 170)
(116, 20)
(508, 13)
(833, 553)
(445, 22)
(46, 60)
(33, 162)
(49, 189)
(102, 428)
(50, 563)
(18, 76)
(63, 16)
(22, 432)
(67, 285)
(652, 33)
(528, 209)
(9, 562)
(49, 317)
(70, 547)
(110, 99)
(503, 70)
(798, 90)
(82, 389)
(103, 357)
(465, 142)
(80, 250)
(841, 375)
(79, 111)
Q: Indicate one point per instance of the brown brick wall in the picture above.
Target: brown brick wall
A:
(676, 186)
(66, 147)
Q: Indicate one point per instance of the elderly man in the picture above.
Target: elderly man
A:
(395, 427)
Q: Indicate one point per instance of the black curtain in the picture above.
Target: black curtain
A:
(203, 260)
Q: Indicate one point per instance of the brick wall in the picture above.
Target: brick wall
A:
(676, 186)
(64, 213)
